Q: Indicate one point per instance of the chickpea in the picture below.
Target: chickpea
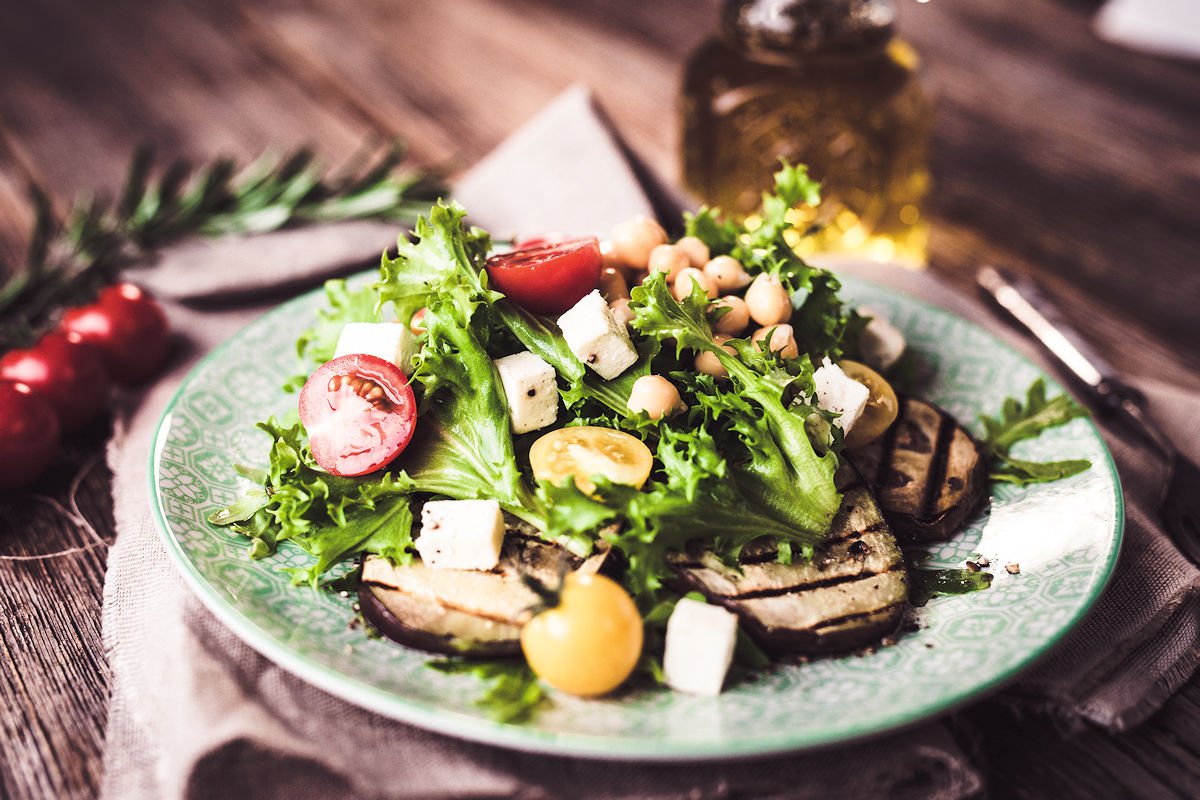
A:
(655, 395)
(709, 364)
(669, 259)
(633, 240)
(612, 284)
(683, 284)
(767, 301)
(610, 258)
(621, 311)
(734, 321)
(417, 323)
(695, 249)
(727, 273)
(782, 340)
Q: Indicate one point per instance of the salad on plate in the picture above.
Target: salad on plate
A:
(588, 465)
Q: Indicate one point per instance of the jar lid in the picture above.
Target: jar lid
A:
(784, 29)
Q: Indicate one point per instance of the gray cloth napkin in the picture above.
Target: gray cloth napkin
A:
(196, 713)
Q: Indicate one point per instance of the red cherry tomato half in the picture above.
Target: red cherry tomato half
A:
(549, 278)
(68, 372)
(540, 240)
(359, 412)
(29, 434)
(128, 327)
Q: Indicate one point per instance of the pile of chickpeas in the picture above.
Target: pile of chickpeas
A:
(639, 247)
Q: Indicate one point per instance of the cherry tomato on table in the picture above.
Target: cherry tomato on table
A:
(29, 434)
(69, 373)
(590, 642)
(128, 327)
(360, 414)
(548, 278)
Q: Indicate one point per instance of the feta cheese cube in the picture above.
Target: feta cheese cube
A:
(881, 343)
(461, 534)
(531, 391)
(597, 338)
(391, 341)
(700, 642)
(840, 394)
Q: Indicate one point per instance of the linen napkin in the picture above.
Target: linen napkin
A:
(196, 713)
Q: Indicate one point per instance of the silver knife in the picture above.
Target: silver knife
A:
(1111, 395)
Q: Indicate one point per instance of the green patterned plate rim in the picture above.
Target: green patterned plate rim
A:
(965, 647)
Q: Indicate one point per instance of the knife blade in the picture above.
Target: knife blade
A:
(1021, 300)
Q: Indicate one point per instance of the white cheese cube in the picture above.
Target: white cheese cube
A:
(840, 394)
(391, 341)
(700, 642)
(597, 338)
(531, 391)
(461, 534)
(881, 343)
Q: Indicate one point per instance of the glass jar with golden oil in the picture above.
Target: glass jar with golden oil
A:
(822, 83)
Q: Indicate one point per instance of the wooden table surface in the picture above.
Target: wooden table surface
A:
(1054, 154)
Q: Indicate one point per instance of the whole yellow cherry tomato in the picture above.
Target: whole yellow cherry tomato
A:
(882, 406)
(590, 642)
(584, 451)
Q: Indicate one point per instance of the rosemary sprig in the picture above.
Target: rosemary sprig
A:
(68, 261)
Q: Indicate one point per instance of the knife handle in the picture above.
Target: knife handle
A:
(1111, 396)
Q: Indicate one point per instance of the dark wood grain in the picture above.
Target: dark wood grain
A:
(1054, 154)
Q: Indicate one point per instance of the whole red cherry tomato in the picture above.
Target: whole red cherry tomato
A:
(68, 372)
(359, 412)
(548, 278)
(128, 327)
(29, 434)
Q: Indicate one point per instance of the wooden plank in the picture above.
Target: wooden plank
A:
(54, 688)
(1075, 156)
(114, 75)
(476, 70)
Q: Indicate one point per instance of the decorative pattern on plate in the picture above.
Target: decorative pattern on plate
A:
(966, 646)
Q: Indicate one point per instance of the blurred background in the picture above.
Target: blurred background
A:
(1052, 151)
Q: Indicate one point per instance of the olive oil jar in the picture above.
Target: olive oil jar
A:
(823, 83)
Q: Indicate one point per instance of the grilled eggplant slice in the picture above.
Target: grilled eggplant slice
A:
(854, 591)
(927, 472)
(464, 612)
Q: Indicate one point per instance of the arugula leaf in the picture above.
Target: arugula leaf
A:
(1022, 473)
(514, 694)
(1018, 422)
(331, 517)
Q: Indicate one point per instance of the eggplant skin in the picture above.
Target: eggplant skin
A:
(851, 594)
(376, 611)
(466, 612)
(927, 472)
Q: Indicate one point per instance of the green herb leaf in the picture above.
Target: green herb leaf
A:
(513, 694)
(925, 584)
(1018, 422)
(68, 262)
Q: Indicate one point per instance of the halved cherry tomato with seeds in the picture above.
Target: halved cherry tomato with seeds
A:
(360, 414)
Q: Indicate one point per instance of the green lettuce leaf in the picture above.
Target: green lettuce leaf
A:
(331, 517)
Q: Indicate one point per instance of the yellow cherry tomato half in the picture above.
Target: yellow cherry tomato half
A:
(882, 406)
(584, 451)
(590, 642)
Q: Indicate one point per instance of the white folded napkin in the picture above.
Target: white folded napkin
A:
(1161, 27)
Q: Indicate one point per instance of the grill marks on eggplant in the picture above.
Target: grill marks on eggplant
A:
(854, 591)
(927, 472)
(463, 612)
